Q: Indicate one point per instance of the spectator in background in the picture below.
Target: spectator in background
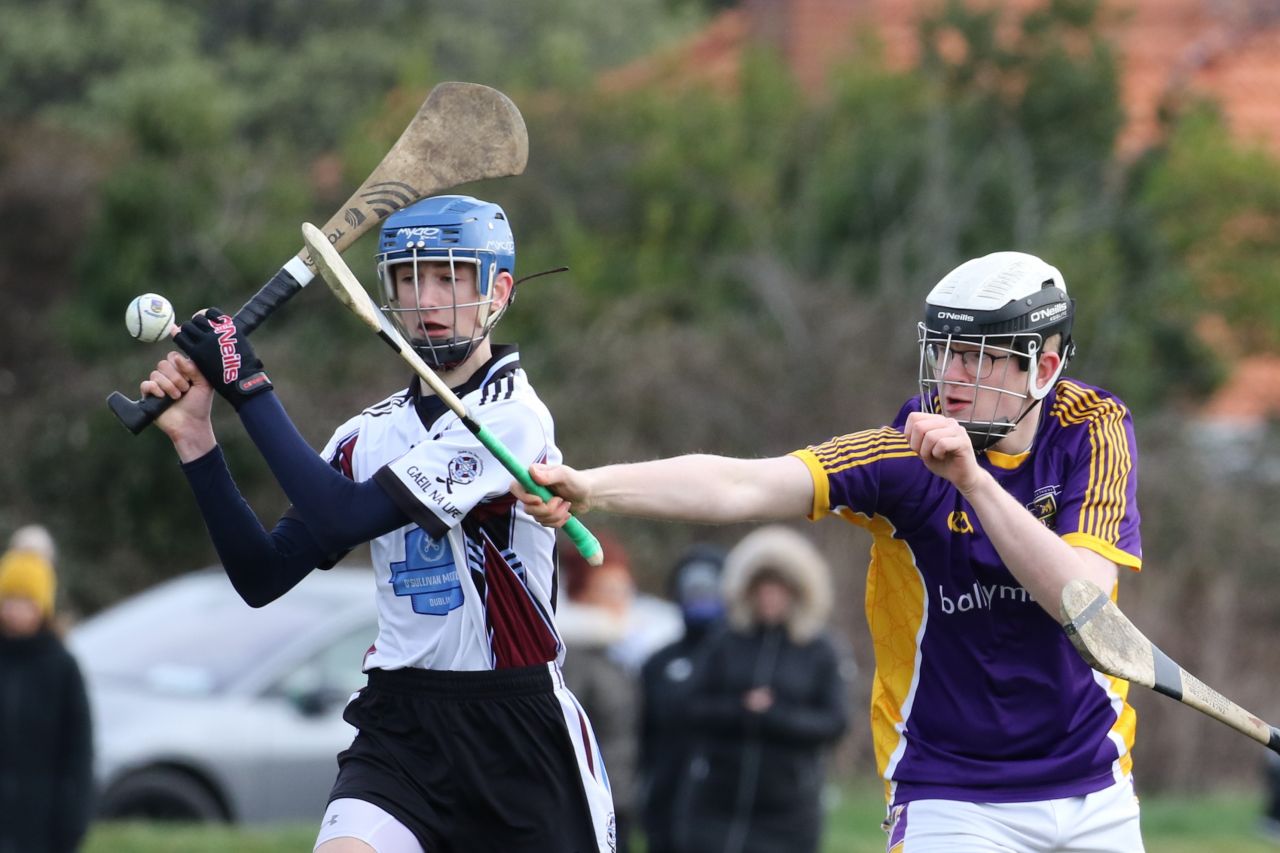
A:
(767, 702)
(46, 746)
(1270, 824)
(593, 619)
(665, 743)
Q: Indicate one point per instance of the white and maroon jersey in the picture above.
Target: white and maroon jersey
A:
(978, 695)
(469, 583)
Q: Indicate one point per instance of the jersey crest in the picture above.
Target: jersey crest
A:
(1044, 505)
(463, 469)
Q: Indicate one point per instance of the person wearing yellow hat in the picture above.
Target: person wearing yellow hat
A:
(27, 588)
(46, 742)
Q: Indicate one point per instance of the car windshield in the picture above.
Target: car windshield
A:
(191, 635)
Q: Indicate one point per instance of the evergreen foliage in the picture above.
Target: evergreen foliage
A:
(747, 263)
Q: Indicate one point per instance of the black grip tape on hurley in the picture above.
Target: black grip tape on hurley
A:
(137, 415)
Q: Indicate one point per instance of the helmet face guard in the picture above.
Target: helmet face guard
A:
(410, 318)
(985, 366)
(988, 315)
(457, 231)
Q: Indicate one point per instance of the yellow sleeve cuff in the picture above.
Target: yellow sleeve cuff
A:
(1106, 549)
(821, 485)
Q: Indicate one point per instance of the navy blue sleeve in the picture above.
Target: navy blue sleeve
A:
(339, 513)
(261, 565)
(330, 514)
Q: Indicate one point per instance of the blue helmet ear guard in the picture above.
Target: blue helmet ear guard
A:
(449, 229)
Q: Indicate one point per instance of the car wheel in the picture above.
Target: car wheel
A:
(161, 794)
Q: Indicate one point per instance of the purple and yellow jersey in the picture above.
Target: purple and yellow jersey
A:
(978, 694)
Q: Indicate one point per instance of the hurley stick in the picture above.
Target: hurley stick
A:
(1110, 643)
(463, 132)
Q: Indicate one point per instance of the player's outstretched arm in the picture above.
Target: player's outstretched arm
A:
(698, 488)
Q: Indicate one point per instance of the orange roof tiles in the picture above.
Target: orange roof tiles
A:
(1229, 49)
(1169, 50)
(1251, 394)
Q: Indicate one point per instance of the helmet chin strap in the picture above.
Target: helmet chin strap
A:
(445, 355)
(984, 435)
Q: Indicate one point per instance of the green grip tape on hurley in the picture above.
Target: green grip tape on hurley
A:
(586, 542)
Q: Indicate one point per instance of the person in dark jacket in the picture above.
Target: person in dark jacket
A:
(665, 680)
(1270, 822)
(46, 747)
(593, 619)
(766, 705)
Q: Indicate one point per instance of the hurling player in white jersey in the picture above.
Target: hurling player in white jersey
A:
(467, 738)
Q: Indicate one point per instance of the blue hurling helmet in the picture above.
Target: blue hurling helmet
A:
(447, 229)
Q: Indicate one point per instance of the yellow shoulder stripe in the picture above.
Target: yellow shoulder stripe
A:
(861, 448)
(1110, 461)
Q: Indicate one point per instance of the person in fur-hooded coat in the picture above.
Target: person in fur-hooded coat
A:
(767, 704)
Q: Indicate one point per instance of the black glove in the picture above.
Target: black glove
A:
(224, 355)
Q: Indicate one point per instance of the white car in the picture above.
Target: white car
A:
(207, 709)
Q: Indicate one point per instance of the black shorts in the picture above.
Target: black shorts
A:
(471, 762)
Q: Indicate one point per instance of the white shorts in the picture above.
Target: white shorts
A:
(1105, 821)
(348, 818)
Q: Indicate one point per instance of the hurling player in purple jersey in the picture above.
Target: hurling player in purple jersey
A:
(1001, 481)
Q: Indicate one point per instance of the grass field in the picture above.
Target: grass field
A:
(1214, 824)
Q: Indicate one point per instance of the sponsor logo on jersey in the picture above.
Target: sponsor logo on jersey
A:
(427, 576)
(430, 550)
(982, 596)
(958, 522)
(226, 328)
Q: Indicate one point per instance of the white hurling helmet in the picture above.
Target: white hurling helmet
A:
(1002, 307)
